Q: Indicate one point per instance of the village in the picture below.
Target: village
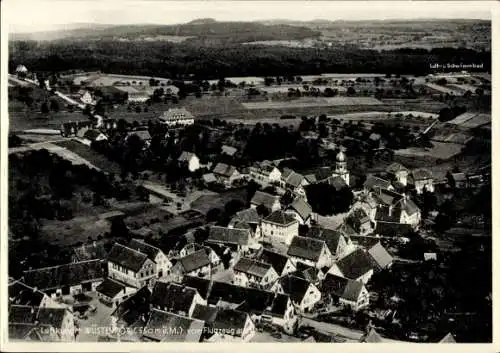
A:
(247, 232)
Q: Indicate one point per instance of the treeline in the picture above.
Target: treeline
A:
(183, 60)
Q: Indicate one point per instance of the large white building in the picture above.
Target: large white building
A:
(177, 116)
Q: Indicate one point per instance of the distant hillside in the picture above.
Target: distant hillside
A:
(203, 30)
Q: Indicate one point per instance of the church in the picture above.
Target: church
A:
(341, 166)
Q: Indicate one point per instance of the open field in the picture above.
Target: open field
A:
(471, 119)
(207, 202)
(440, 150)
(313, 102)
(90, 155)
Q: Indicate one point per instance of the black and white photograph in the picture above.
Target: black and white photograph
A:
(247, 172)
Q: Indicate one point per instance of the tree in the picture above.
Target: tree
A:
(213, 214)
(54, 106)
(326, 200)
(263, 211)
(351, 91)
(44, 108)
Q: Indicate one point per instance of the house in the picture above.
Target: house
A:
(87, 98)
(138, 96)
(281, 313)
(373, 183)
(29, 323)
(193, 247)
(380, 256)
(368, 204)
(422, 179)
(310, 251)
(68, 279)
(270, 202)
(301, 210)
(236, 239)
(280, 226)
(93, 251)
(190, 160)
(430, 256)
(168, 327)
(22, 294)
(163, 264)
(398, 172)
(175, 298)
(247, 216)
(360, 221)
(311, 274)
(93, 136)
(195, 264)
(344, 291)
(372, 337)
(112, 292)
(459, 180)
(143, 135)
(253, 273)
(177, 116)
(209, 178)
(337, 243)
(229, 150)
(294, 182)
(448, 339)
(231, 326)
(396, 208)
(130, 266)
(226, 174)
(280, 263)
(357, 265)
(265, 173)
(133, 311)
(304, 295)
(206, 314)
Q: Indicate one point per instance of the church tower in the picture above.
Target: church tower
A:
(341, 166)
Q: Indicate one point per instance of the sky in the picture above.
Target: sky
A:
(43, 15)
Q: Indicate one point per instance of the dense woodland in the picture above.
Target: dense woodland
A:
(161, 59)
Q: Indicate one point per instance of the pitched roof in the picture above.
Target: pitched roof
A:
(421, 174)
(22, 294)
(126, 257)
(395, 168)
(331, 237)
(372, 337)
(131, 309)
(229, 150)
(286, 173)
(142, 134)
(303, 209)
(252, 267)
(311, 178)
(355, 264)
(53, 317)
(337, 182)
(169, 327)
(173, 297)
(309, 273)
(202, 285)
(176, 114)
(393, 229)
(248, 215)
(381, 257)
(306, 248)
(186, 156)
(448, 339)
(145, 248)
(224, 170)
(195, 261)
(276, 260)
(372, 182)
(279, 305)
(342, 287)
(110, 288)
(92, 135)
(280, 217)
(294, 179)
(230, 321)
(323, 173)
(65, 275)
(209, 178)
(22, 314)
(205, 313)
(387, 197)
(295, 287)
(263, 198)
(90, 252)
(218, 234)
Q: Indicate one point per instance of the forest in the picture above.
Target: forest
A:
(186, 60)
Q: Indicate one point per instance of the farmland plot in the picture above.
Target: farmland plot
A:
(314, 102)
